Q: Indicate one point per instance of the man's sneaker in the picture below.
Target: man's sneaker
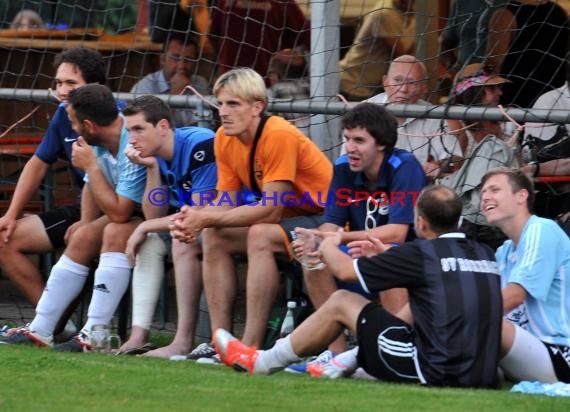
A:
(25, 336)
(331, 370)
(79, 343)
(202, 351)
(68, 332)
(234, 353)
(214, 360)
(302, 367)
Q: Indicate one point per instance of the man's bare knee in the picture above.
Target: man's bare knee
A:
(211, 237)
(340, 296)
(115, 235)
(189, 251)
(265, 236)
(224, 240)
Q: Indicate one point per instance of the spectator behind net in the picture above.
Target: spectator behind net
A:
(477, 85)
(177, 70)
(27, 20)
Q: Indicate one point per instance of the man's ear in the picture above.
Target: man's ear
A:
(421, 224)
(521, 196)
(258, 106)
(380, 147)
(88, 126)
(163, 125)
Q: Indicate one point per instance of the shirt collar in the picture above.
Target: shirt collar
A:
(382, 180)
(455, 235)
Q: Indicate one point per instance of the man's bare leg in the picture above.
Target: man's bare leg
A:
(321, 285)
(29, 237)
(188, 275)
(313, 335)
(322, 328)
(219, 273)
(263, 241)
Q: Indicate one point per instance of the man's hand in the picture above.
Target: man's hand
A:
(133, 245)
(297, 244)
(367, 248)
(134, 156)
(7, 227)
(82, 155)
(330, 238)
(186, 225)
(71, 230)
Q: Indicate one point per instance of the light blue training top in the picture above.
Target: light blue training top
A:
(127, 178)
(541, 265)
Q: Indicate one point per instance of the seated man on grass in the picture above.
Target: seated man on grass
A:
(534, 264)
(455, 300)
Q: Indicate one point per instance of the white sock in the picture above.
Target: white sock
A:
(348, 359)
(147, 279)
(528, 359)
(111, 282)
(277, 358)
(64, 284)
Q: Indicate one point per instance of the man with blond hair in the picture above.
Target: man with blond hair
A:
(288, 177)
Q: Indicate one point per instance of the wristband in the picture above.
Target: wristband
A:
(536, 169)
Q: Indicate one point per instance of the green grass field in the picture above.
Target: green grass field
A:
(35, 379)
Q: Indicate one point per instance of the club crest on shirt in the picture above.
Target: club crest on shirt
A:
(200, 155)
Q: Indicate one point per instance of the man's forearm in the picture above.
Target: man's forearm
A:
(104, 195)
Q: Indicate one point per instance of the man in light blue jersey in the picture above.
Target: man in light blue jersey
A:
(534, 265)
(109, 213)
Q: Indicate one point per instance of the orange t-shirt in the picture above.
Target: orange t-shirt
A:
(283, 154)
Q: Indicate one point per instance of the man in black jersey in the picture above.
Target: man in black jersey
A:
(455, 302)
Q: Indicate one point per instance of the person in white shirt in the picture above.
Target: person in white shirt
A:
(427, 139)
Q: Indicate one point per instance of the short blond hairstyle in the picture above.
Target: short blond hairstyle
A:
(244, 83)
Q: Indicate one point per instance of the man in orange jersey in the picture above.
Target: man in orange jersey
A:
(289, 177)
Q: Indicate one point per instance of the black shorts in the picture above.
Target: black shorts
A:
(560, 356)
(57, 221)
(386, 346)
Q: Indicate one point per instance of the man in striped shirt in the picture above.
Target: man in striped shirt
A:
(534, 265)
(455, 302)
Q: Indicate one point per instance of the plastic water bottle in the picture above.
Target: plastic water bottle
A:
(289, 322)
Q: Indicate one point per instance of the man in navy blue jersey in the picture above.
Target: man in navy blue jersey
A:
(373, 191)
(45, 232)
